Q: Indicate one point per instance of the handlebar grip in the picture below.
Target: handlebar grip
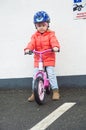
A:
(29, 53)
(57, 50)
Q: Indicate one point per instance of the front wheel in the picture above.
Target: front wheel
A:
(39, 91)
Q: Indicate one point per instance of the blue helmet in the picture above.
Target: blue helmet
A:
(41, 16)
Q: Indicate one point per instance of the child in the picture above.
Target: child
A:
(41, 40)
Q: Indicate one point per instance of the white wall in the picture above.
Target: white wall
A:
(16, 28)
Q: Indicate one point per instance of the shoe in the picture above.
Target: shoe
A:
(56, 94)
(31, 98)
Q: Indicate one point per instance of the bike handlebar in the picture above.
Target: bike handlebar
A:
(38, 52)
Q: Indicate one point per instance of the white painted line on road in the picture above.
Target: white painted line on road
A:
(43, 124)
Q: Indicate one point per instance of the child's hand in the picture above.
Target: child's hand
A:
(26, 51)
(56, 49)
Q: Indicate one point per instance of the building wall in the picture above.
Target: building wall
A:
(16, 28)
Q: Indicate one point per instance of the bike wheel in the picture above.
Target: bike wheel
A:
(39, 91)
(48, 89)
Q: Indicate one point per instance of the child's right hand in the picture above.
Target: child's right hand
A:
(26, 51)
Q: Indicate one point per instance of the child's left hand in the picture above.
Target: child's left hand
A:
(56, 49)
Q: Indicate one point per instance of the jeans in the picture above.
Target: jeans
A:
(51, 76)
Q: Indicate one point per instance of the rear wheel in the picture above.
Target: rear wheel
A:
(48, 89)
(39, 91)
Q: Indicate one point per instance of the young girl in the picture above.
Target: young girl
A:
(41, 40)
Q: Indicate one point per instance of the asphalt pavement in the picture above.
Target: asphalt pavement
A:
(16, 113)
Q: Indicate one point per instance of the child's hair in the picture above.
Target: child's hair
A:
(41, 16)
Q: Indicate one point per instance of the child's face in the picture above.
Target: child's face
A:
(42, 27)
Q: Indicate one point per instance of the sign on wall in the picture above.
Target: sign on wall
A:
(79, 9)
